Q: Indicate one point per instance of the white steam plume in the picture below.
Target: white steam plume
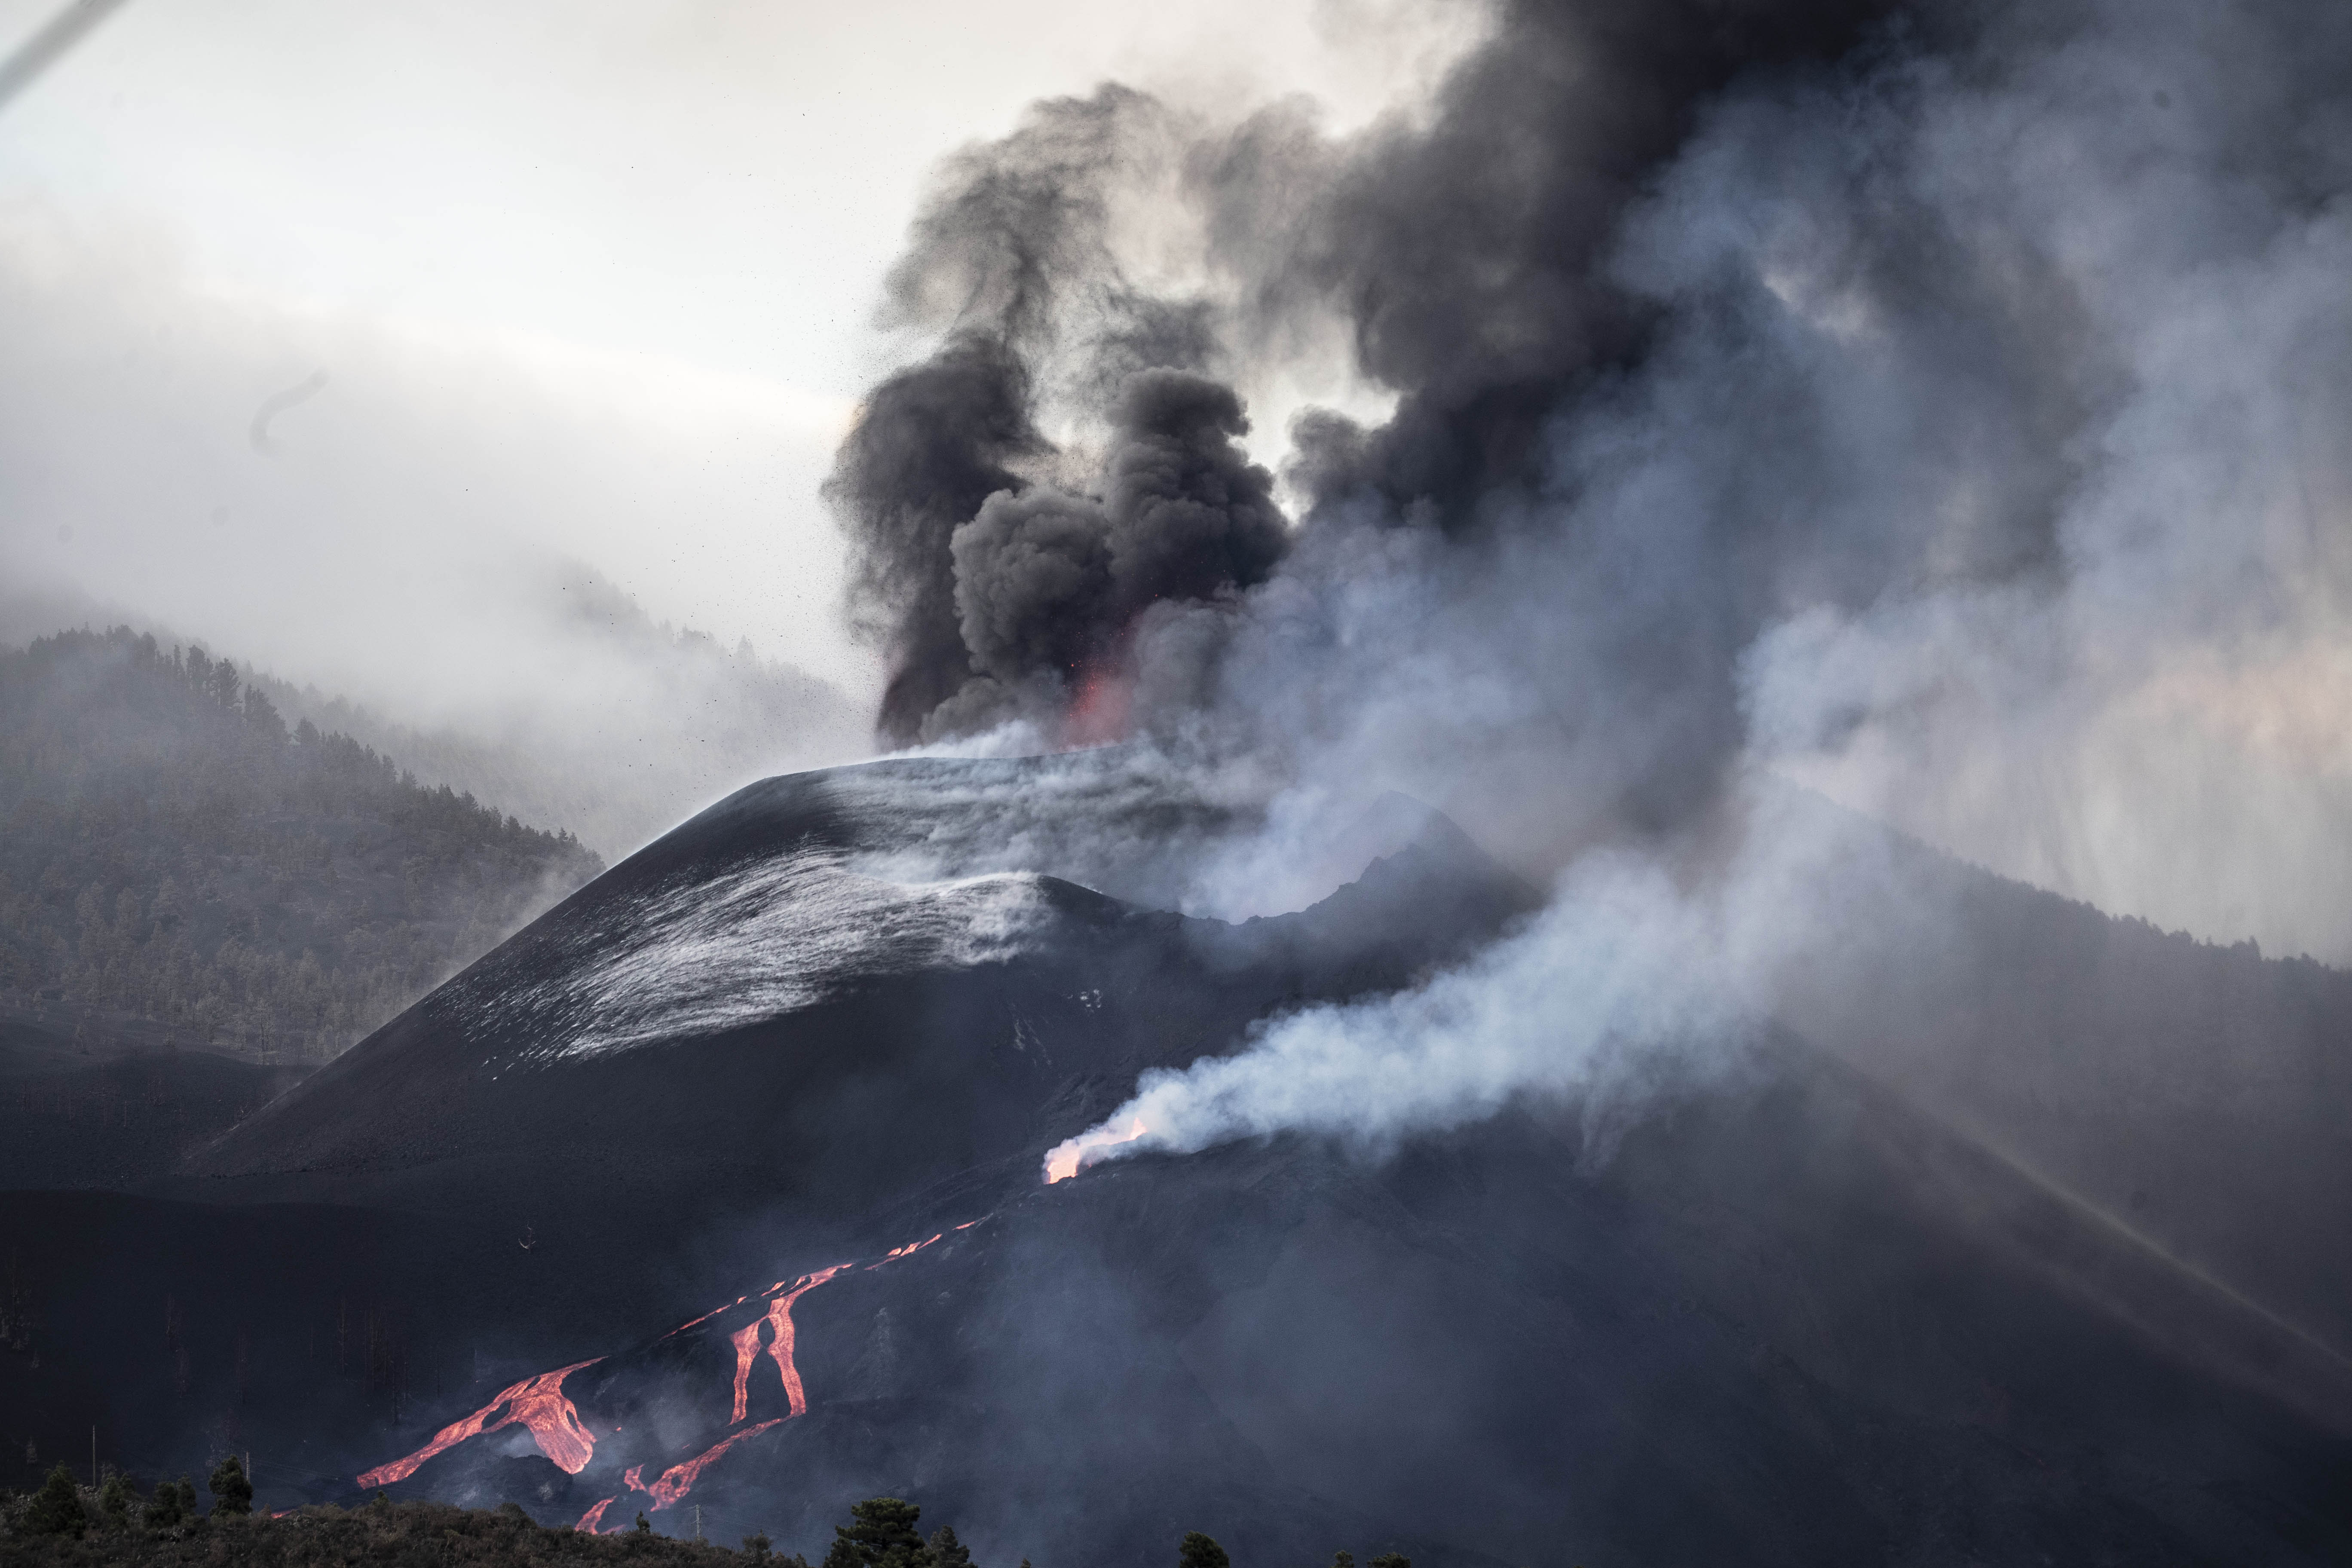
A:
(1621, 983)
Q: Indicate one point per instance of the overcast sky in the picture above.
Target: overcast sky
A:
(593, 280)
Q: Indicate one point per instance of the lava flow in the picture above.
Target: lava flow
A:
(898, 1252)
(678, 1480)
(780, 1313)
(747, 1351)
(536, 1403)
(704, 1318)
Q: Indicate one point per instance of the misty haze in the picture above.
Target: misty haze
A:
(1457, 784)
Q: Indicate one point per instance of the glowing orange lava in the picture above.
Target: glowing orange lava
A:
(678, 1480)
(536, 1403)
(1098, 714)
(780, 1314)
(595, 1516)
(898, 1252)
(747, 1351)
(1076, 1154)
(704, 1318)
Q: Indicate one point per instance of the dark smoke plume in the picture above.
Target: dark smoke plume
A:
(1469, 259)
(1924, 394)
(1046, 582)
(933, 444)
(987, 566)
(1466, 260)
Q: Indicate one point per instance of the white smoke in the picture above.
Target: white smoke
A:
(1606, 992)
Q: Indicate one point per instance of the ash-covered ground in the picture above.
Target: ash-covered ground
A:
(720, 1188)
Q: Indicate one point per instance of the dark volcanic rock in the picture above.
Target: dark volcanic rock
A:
(1786, 1321)
(830, 1028)
(94, 1100)
(764, 1007)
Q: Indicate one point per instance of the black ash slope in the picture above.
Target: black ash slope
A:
(1783, 1316)
(1789, 1321)
(752, 1012)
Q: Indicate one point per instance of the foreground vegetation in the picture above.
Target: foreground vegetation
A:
(110, 1526)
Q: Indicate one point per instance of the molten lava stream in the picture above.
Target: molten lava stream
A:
(678, 1480)
(595, 1516)
(706, 1317)
(747, 1351)
(898, 1252)
(780, 1314)
(536, 1403)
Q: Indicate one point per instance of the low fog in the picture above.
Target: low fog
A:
(480, 372)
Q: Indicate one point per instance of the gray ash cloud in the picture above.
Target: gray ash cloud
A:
(1467, 257)
(1922, 398)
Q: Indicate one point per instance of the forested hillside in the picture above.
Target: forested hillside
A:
(169, 851)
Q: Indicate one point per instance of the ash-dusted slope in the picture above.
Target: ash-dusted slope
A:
(827, 991)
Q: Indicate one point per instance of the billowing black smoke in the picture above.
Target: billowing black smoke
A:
(1045, 579)
(1004, 574)
(1469, 258)
(932, 447)
(984, 616)
(1740, 381)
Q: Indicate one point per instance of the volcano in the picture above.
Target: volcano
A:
(717, 1193)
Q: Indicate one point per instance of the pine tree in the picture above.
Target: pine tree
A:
(114, 1500)
(162, 1510)
(232, 1492)
(947, 1551)
(56, 1508)
(1199, 1551)
(881, 1534)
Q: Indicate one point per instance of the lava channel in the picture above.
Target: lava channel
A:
(536, 1403)
(779, 1347)
(678, 1480)
(895, 1253)
(595, 1516)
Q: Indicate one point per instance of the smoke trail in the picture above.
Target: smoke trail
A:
(1614, 990)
